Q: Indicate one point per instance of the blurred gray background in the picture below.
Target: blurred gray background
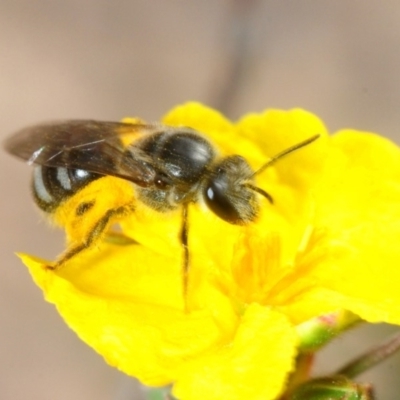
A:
(109, 59)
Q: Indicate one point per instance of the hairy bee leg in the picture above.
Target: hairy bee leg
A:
(185, 261)
(118, 238)
(93, 235)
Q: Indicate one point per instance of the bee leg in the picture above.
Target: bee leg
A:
(94, 234)
(185, 261)
(118, 238)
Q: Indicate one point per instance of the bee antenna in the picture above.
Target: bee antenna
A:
(280, 155)
(260, 191)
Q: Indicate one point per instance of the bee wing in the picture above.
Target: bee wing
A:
(94, 146)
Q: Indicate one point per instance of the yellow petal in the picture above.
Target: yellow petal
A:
(126, 302)
(199, 117)
(352, 257)
(254, 366)
(276, 130)
(358, 200)
(328, 242)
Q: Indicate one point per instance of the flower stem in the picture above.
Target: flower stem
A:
(373, 357)
(159, 394)
(319, 331)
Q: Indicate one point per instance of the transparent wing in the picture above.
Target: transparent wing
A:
(96, 146)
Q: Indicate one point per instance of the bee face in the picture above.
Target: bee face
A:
(169, 167)
(227, 192)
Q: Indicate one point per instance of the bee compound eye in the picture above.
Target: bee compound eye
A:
(219, 202)
(226, 193)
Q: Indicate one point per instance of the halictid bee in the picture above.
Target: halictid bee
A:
(171, 167)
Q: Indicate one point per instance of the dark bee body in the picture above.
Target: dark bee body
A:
(170, 168)
(53, 185)
(182, 159)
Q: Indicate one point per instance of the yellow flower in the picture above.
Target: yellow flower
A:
(328, 242)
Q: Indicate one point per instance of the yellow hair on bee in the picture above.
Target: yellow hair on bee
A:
(80, 214)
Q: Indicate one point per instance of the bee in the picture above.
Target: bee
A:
(170, 167)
